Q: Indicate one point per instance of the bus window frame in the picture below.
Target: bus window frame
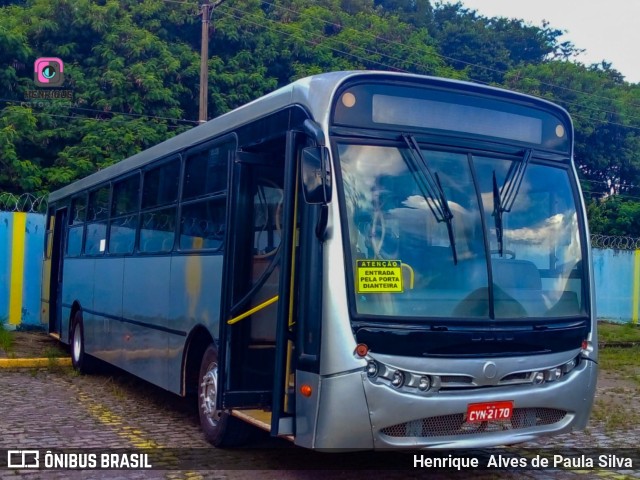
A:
(106, 220)
(230, 139)
(79, 226)
(174, 204)
(135, 213)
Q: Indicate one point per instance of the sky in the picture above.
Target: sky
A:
(607, 29)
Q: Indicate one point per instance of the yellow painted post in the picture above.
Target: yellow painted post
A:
(17, 267)
(636, 286)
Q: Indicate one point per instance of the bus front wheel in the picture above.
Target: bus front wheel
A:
(219, 427)
(79, 359)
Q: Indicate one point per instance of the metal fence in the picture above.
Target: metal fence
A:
(25, 202)
(615, 242)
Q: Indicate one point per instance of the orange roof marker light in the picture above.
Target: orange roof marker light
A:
(306, 390)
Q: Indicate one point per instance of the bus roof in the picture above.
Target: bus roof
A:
(313, 93)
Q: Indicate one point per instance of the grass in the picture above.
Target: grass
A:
(617, 332)
(6, 341)
(53, 353)
(612, 416)
(624, 361)
(615, 411)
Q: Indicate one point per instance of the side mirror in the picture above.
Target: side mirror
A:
(316, 175)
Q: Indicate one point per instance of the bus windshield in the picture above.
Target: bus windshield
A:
(409, 261)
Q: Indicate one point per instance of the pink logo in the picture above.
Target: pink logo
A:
(48, 72)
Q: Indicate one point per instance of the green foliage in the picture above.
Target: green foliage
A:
(614, 216)
(616, 332)
(6, 340)
(606, 115)
(132, 81)
(488, 48)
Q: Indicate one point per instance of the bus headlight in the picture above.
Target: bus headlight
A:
(398, 379)
(570, 365)
(538, 378)
(372, 369)
(425, 383)
(553, 374)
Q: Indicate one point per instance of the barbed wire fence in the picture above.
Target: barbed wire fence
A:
(25, 202)
(615, 242)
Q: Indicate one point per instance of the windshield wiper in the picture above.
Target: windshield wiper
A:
(431, 188)
(504, 198)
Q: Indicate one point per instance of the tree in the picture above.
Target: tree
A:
(614, 216)
(121, 66)
(487, 48)
(320, 36)
(606, 116)
(416, 12)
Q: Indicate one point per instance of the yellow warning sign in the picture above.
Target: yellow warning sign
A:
(379, 276)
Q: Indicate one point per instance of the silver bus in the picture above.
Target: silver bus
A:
(358, 260)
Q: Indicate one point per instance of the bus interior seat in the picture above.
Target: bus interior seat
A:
(467, 275)
(512, 273)
(567, 305)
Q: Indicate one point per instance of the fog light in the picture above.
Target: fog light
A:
(538, 378)
(397, 379)
(372, 369)
(425, 383)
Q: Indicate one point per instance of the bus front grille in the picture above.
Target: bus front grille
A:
(455, 424)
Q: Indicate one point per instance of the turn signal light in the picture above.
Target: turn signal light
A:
(362, 350)
(305, 390)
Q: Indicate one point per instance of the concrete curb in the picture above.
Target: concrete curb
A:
(34, 362)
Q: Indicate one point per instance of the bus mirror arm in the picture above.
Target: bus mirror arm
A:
(314, 130)
(306, 359)
(321, 225)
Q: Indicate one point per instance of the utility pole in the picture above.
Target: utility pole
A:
(207, 10)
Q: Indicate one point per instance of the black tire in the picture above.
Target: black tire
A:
(79, 359)
(219, 427)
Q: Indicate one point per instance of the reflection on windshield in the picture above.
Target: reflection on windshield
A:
(538, 273)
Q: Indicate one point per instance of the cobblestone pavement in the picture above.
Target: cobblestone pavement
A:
(56, 408)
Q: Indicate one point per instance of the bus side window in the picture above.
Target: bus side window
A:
(159, 207)
(204, 198)
(97, 215)
(124, 215)
(76, 226)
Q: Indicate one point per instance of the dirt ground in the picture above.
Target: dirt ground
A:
(33, 344)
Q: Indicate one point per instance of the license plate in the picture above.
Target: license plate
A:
(489, 411)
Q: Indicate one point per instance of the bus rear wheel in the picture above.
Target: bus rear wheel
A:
(219, 427)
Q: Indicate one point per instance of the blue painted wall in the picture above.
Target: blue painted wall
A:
(30, 271)
(617, 281)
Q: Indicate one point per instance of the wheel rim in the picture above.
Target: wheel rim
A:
(209, 386)
(77, 345)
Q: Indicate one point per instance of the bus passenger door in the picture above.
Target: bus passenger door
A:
(256, 331)
(56, 263)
